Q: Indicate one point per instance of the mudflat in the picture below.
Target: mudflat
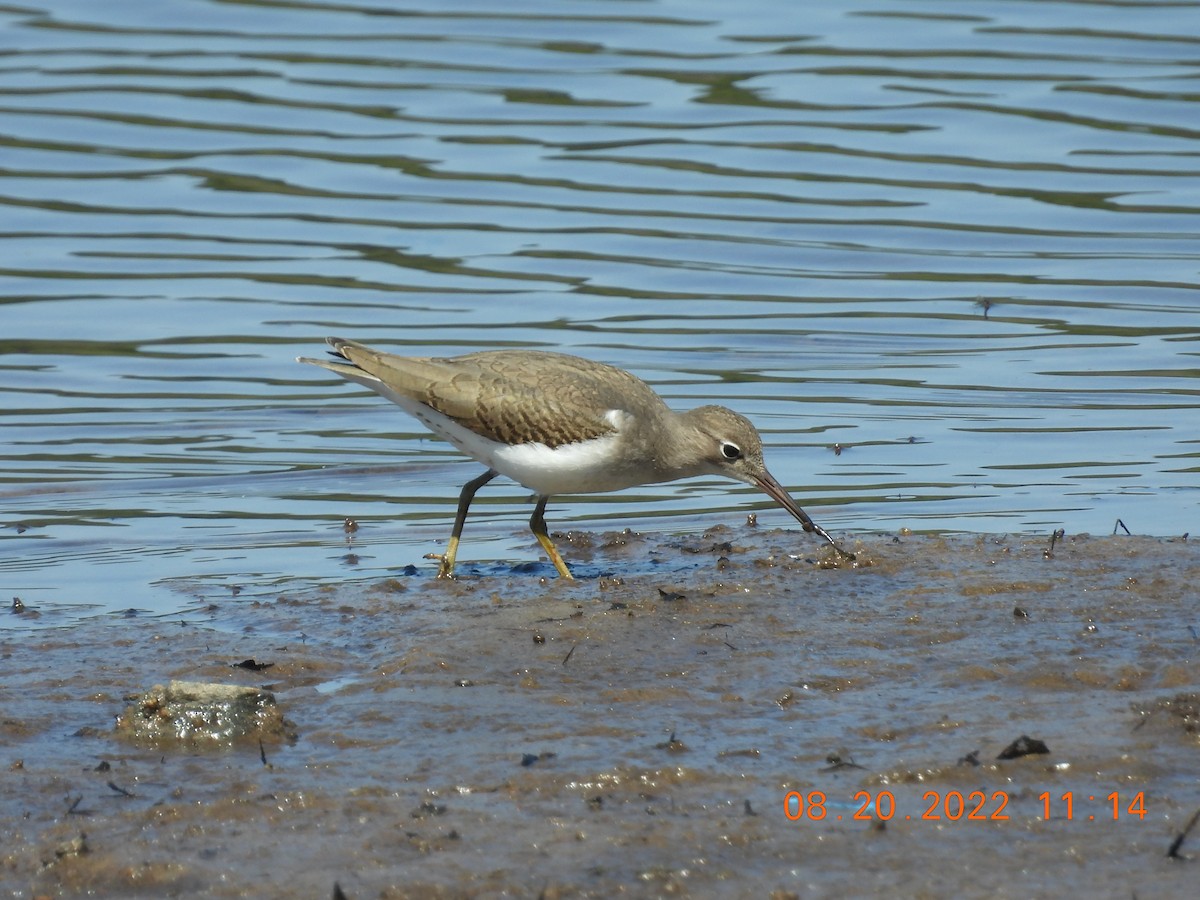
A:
(723, 715)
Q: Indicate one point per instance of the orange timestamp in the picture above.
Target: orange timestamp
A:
(956, 806)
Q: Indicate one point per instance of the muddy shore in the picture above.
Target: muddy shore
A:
(720, 716)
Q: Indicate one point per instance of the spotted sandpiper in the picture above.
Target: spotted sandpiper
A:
(560, 424)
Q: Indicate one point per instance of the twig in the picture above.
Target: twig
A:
(120, 790)
(1173, 851)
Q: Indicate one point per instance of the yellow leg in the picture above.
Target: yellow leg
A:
(446, 566)
(537, 524)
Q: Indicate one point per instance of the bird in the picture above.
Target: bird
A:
(559, 424)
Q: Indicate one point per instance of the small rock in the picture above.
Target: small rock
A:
(1023, 746)
(200, 714)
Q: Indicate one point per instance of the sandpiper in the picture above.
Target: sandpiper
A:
(560, 424)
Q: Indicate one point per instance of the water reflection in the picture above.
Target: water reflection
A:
(961, 247)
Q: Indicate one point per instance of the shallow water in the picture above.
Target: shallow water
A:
(961, 244)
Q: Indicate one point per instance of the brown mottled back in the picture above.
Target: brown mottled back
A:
(511, 396)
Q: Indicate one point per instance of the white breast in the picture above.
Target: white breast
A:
(582, 468)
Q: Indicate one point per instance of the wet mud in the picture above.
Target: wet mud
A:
(717, 715)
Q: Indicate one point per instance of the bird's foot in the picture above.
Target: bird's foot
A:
(445, 564)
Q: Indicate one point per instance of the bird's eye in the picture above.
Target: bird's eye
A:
(731, 451)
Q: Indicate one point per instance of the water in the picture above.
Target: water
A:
(957, 240)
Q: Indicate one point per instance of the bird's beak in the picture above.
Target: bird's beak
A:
(779, 494)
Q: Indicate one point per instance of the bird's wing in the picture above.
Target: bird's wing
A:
(513, 397)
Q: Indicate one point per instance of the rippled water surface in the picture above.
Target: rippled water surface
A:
(944, 254)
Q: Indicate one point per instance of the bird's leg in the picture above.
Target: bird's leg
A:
(446, 566)
(537, 524)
